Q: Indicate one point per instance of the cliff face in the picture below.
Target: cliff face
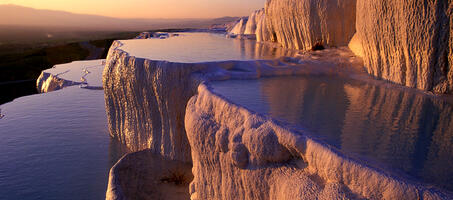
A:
(302, 24)
(408, 42)
(145, 103)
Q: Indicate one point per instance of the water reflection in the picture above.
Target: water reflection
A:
(56, 146)
(406, 132)
(202, 47)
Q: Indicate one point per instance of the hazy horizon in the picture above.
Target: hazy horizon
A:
(13, 15)
(146, 9)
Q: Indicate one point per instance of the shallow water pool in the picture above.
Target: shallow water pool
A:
(404, 132)
(56, 146)
(201, 47)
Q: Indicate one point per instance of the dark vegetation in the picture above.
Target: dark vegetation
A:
(21, 61)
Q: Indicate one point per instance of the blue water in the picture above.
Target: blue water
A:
(202, 47)
(404, 132)
(56, 146)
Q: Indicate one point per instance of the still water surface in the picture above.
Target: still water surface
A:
(201, 47)
(56, 146)
(406, 133)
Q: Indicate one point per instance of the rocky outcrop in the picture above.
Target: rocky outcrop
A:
(253, 27)
(144, 175)
(304, 24)
(239, 28)
(145, 103)
(240, 155)
(84, 73)
(408, 42)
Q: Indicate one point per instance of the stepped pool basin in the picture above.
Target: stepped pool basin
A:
(201, 47)
(406, 133)
(56, 146)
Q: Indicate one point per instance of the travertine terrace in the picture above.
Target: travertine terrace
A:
(166, 106)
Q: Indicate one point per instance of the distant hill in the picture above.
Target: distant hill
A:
(24, 16)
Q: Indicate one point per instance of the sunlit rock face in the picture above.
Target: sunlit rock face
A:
(145, 103)
(146, 99)
(408, 42)
(240, 155)
(239, 28)
(303, 24)
(253, 27)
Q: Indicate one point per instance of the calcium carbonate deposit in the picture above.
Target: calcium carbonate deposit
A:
(165, 107)
(159, 102)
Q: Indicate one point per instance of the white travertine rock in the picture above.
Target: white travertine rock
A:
(240, 26)
(86, 73)
(146, 99)
(253, 28)
(236, 154)
(240, 155)
(302, 24)
(144, 175)
(408, 42)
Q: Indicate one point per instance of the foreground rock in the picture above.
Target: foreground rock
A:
(246, 156)
(85, 73)
(144, 175)
(409, 42)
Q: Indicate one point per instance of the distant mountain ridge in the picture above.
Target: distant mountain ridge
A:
(24, 16)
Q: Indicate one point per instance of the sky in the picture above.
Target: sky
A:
(148, 8)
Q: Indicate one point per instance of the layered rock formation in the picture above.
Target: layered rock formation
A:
(239, 28)
(308, 23)
(145, 103)
(408, 42)
(235, 154)
(240, 155)
(252, 27)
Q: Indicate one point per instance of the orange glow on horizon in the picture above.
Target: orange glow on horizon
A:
(147, 8)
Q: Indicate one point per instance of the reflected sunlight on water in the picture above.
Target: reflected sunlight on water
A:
(407, 132)
(201, 47)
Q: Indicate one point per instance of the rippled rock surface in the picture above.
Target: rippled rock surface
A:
(146, 97)
(164, 106)
(304, 24)
(409, 42)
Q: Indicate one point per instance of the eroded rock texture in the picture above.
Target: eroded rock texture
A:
(303, 24)
(254, 25)
(240, 155)
(145, 175)
(408, 42)
(145, 102)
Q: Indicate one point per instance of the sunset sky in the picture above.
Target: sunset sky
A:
(148, 8)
